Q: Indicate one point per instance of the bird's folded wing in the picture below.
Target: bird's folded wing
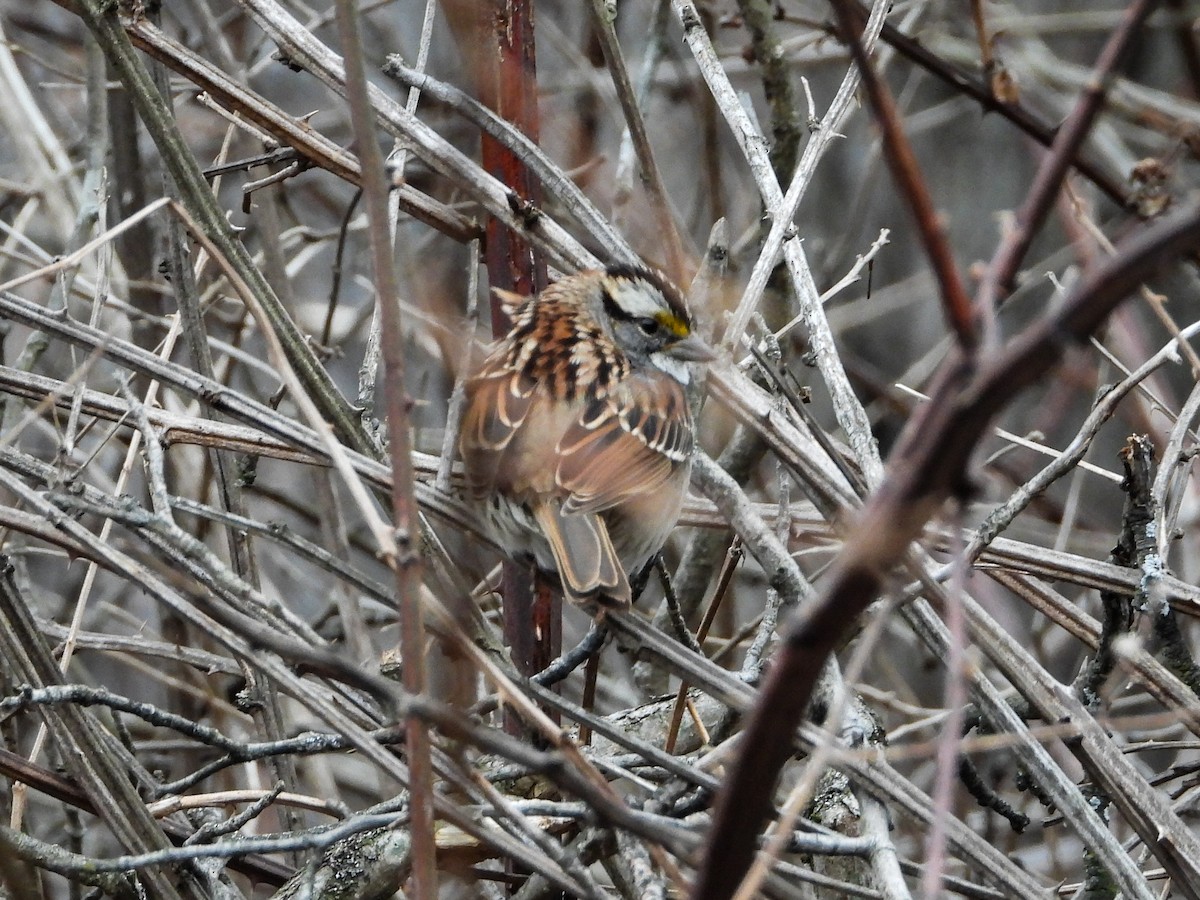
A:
(497, 406)
(626, 444)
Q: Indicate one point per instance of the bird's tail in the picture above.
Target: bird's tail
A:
(588, 565)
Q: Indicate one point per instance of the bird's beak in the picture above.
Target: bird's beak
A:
(692, 349)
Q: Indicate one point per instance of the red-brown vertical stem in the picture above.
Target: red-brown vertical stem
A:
(506, 80)
(532, 610)
(510, 89)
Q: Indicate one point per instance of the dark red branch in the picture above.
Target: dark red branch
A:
(979, 91)
(903, 165)
(532, 611)
(1050, 174)
(404, 557)
(930, 463)
(509, 88)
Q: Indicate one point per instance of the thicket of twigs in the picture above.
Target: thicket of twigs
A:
(936, 569)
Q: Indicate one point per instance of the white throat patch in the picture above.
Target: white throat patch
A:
(676, 368)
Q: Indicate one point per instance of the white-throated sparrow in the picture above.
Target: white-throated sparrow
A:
(577, 437)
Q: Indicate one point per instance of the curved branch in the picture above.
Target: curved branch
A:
(929, 464)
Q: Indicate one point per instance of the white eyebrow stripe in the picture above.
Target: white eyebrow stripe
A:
(639, 299)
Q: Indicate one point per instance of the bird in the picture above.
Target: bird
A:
(577, 435)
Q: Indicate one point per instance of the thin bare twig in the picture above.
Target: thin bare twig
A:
(903, 164)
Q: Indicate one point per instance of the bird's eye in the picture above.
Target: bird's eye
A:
(648, 325)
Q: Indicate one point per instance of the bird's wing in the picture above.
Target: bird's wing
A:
(623, 445)
(497, 405)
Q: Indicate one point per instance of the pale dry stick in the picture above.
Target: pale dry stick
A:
(782, 215)
(1171, 479)
(170, 805)
(753, 662)
(458, 396)
(846, 405)
(1025, 442)
(875, 823)
(155, 462)
(955, 698)
(99, 297)
(1075, 486)
(368, 370)
(15, 234)
(769, 551)
(304, 49)
(1045, 450)
(1153, 300)
(1085, 571)
(1155, 402)
(83, 252)
(1072, 454)
(861, 261)
(94, 211)
(236, 121)
(604, 17)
